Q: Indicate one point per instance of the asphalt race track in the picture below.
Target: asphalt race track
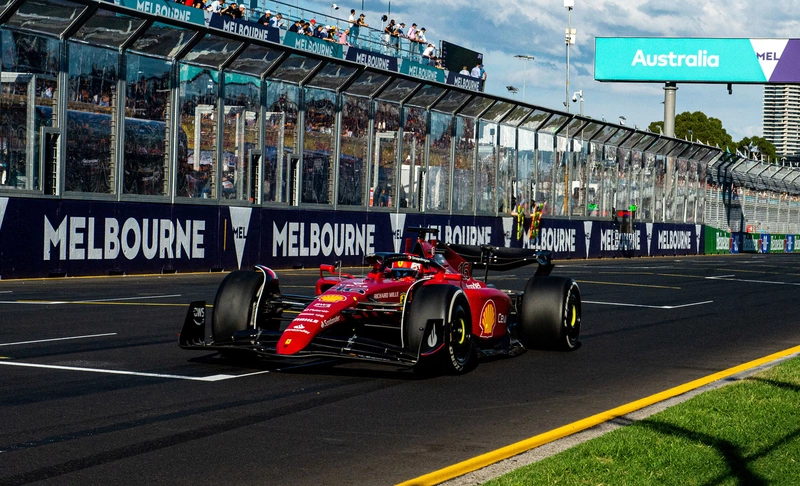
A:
(96, 391)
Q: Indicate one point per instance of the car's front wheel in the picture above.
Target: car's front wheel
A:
(438, 329)
(235, 304)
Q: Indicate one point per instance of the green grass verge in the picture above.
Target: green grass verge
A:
(744, 433)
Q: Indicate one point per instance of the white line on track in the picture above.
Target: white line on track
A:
(211, 378)
(60, 339)
(33, 302)
(143, 297)
(5, 291)
(752, 281)
(57, 302)
(668, 307)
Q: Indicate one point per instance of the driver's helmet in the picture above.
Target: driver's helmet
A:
(403, 269)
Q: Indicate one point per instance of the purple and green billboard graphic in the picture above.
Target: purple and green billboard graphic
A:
(700, 60)
(717, 241)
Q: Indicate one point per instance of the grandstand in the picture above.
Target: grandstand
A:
(148, 125)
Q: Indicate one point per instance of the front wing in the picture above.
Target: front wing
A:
(338, 341)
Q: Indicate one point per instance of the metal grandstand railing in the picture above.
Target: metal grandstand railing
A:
(369, 38)
(749, 195)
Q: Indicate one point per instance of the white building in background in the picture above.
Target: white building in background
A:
(782, 118)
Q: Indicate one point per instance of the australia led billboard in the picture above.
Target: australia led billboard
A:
(697, 60)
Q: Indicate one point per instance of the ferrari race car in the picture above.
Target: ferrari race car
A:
(422, 309)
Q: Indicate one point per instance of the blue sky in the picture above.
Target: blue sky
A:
(503, 28)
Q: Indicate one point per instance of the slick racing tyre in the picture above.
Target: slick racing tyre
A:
(235, 303)
(550, 315)
(438, 328)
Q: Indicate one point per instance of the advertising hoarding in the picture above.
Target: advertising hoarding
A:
(700, 60)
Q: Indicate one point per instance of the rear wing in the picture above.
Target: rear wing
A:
(494, 258)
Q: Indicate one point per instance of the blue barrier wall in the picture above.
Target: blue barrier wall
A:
(41, 237)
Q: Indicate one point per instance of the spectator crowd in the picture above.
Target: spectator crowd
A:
(352, 35)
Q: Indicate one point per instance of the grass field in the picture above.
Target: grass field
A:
(744, 433)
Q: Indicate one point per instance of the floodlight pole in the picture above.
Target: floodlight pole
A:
(525, 58)
(568, 4)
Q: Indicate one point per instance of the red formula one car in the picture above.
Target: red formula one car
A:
(421, 309)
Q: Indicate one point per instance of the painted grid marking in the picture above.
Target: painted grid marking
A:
(752, 281)
(211, 378)
(59, 339)
(142, 297)
(668, 307)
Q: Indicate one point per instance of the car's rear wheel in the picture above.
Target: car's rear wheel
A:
(235, 304)
(439, 329)
(550, 315)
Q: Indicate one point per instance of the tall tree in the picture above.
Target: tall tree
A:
(698, 127)
(757, 146)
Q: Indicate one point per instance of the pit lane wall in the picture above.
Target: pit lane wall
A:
(51, 237)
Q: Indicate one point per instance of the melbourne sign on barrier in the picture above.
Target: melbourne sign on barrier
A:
(70, 237)
(708, 60)
(463, 81)
(250, 30)
(422, 72)
(312, 44)
(372, 59)
(164, 8)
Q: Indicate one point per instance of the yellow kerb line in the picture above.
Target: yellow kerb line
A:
(498, 455)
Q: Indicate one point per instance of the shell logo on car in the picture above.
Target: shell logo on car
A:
(332, 298)
(488, 318)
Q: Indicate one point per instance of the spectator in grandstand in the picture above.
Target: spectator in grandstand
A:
(189, 3)
(476, 71)
(342, 37)
(483, 73)
(355, 26)
(277, 21)
(397, 35)
(215, 6)
(428, 56)
(296, 27)
(464, 71)
(200, 4)
(412, 34)
(438, 64)
(422, 43)
(383, 199)
(388, 31)
(265, 18)
(329, 33)
(421, 37)
(361, 22)
(231, 10)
